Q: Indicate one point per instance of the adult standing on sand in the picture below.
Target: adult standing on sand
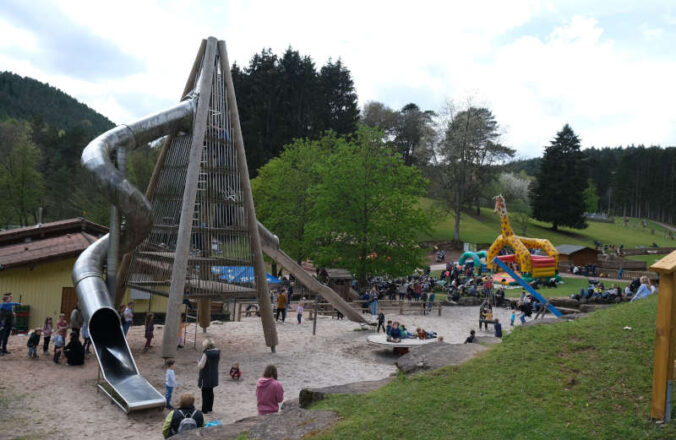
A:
(76, 321)
(128, 317)
(269, 392)
(208, 374)
(281, 306)
(6, 321)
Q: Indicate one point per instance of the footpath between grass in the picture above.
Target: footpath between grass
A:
(584, 379)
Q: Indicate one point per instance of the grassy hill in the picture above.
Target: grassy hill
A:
(486, 227)
(585, 379)
(31, 100)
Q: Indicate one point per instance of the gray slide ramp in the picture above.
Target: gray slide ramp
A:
(270, 245)
(125, 385)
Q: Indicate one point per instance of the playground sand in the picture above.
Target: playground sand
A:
(45, 400)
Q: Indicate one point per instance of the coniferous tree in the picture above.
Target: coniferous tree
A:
(338, 109)
(557, 193)
(285, 98)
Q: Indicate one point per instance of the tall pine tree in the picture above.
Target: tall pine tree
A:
(557, 193)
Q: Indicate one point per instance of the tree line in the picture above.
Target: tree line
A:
(282, 98)
(43, 132)
(632, 181)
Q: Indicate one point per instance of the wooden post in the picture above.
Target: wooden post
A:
(439, 309)
(180, 266)
(204, 313)
(665, 337)
(261, 282)
(314, 323)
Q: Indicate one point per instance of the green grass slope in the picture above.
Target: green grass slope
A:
(586, 379)
(486, 227)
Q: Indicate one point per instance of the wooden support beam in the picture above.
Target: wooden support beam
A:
(269, 326)
(169, 341)
(204, 312)
(665, 336)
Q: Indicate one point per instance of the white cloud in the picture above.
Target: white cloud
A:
(570, 70)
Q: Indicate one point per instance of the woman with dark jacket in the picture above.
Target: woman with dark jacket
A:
(74, 350)
(208, 375)
(186, 409)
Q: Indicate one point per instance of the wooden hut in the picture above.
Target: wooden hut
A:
(36, 264)
(576, 255)
(340, 280)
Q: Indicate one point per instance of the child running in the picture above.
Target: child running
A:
(381, 322)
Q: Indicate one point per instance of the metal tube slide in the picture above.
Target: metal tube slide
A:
(115, 359)
(270, 245)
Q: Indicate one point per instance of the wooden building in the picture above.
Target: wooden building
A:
(576, 255)
(36, 264)
(340, 280)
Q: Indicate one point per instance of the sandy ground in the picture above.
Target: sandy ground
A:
(39, 399)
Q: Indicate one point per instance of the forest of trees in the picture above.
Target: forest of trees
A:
(633, 181)
(287, 97)
(282, 98)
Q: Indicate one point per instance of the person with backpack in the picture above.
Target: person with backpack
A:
(208, 374)
(184, 418)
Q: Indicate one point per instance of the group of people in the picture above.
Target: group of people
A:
(396, 332)
(67, 344)
(74, 351)
(416, 288)
(269, 391)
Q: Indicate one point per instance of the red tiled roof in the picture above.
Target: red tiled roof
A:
(50, 241)
(60, 227)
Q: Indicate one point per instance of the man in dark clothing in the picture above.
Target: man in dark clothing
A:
(498, 328)
(74, 351)
(208, 375)
(6, 321)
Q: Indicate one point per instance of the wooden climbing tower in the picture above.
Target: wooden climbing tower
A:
(203, 214)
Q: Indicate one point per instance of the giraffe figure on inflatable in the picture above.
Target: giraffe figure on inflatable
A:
(534, 266)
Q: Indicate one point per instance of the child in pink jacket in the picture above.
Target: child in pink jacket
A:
(269, 392)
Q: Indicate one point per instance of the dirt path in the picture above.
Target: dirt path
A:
(40, 399)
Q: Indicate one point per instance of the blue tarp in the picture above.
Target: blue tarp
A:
(240, 274)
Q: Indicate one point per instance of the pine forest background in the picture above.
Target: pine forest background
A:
(288, 97)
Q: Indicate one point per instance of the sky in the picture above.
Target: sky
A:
(607, 68)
